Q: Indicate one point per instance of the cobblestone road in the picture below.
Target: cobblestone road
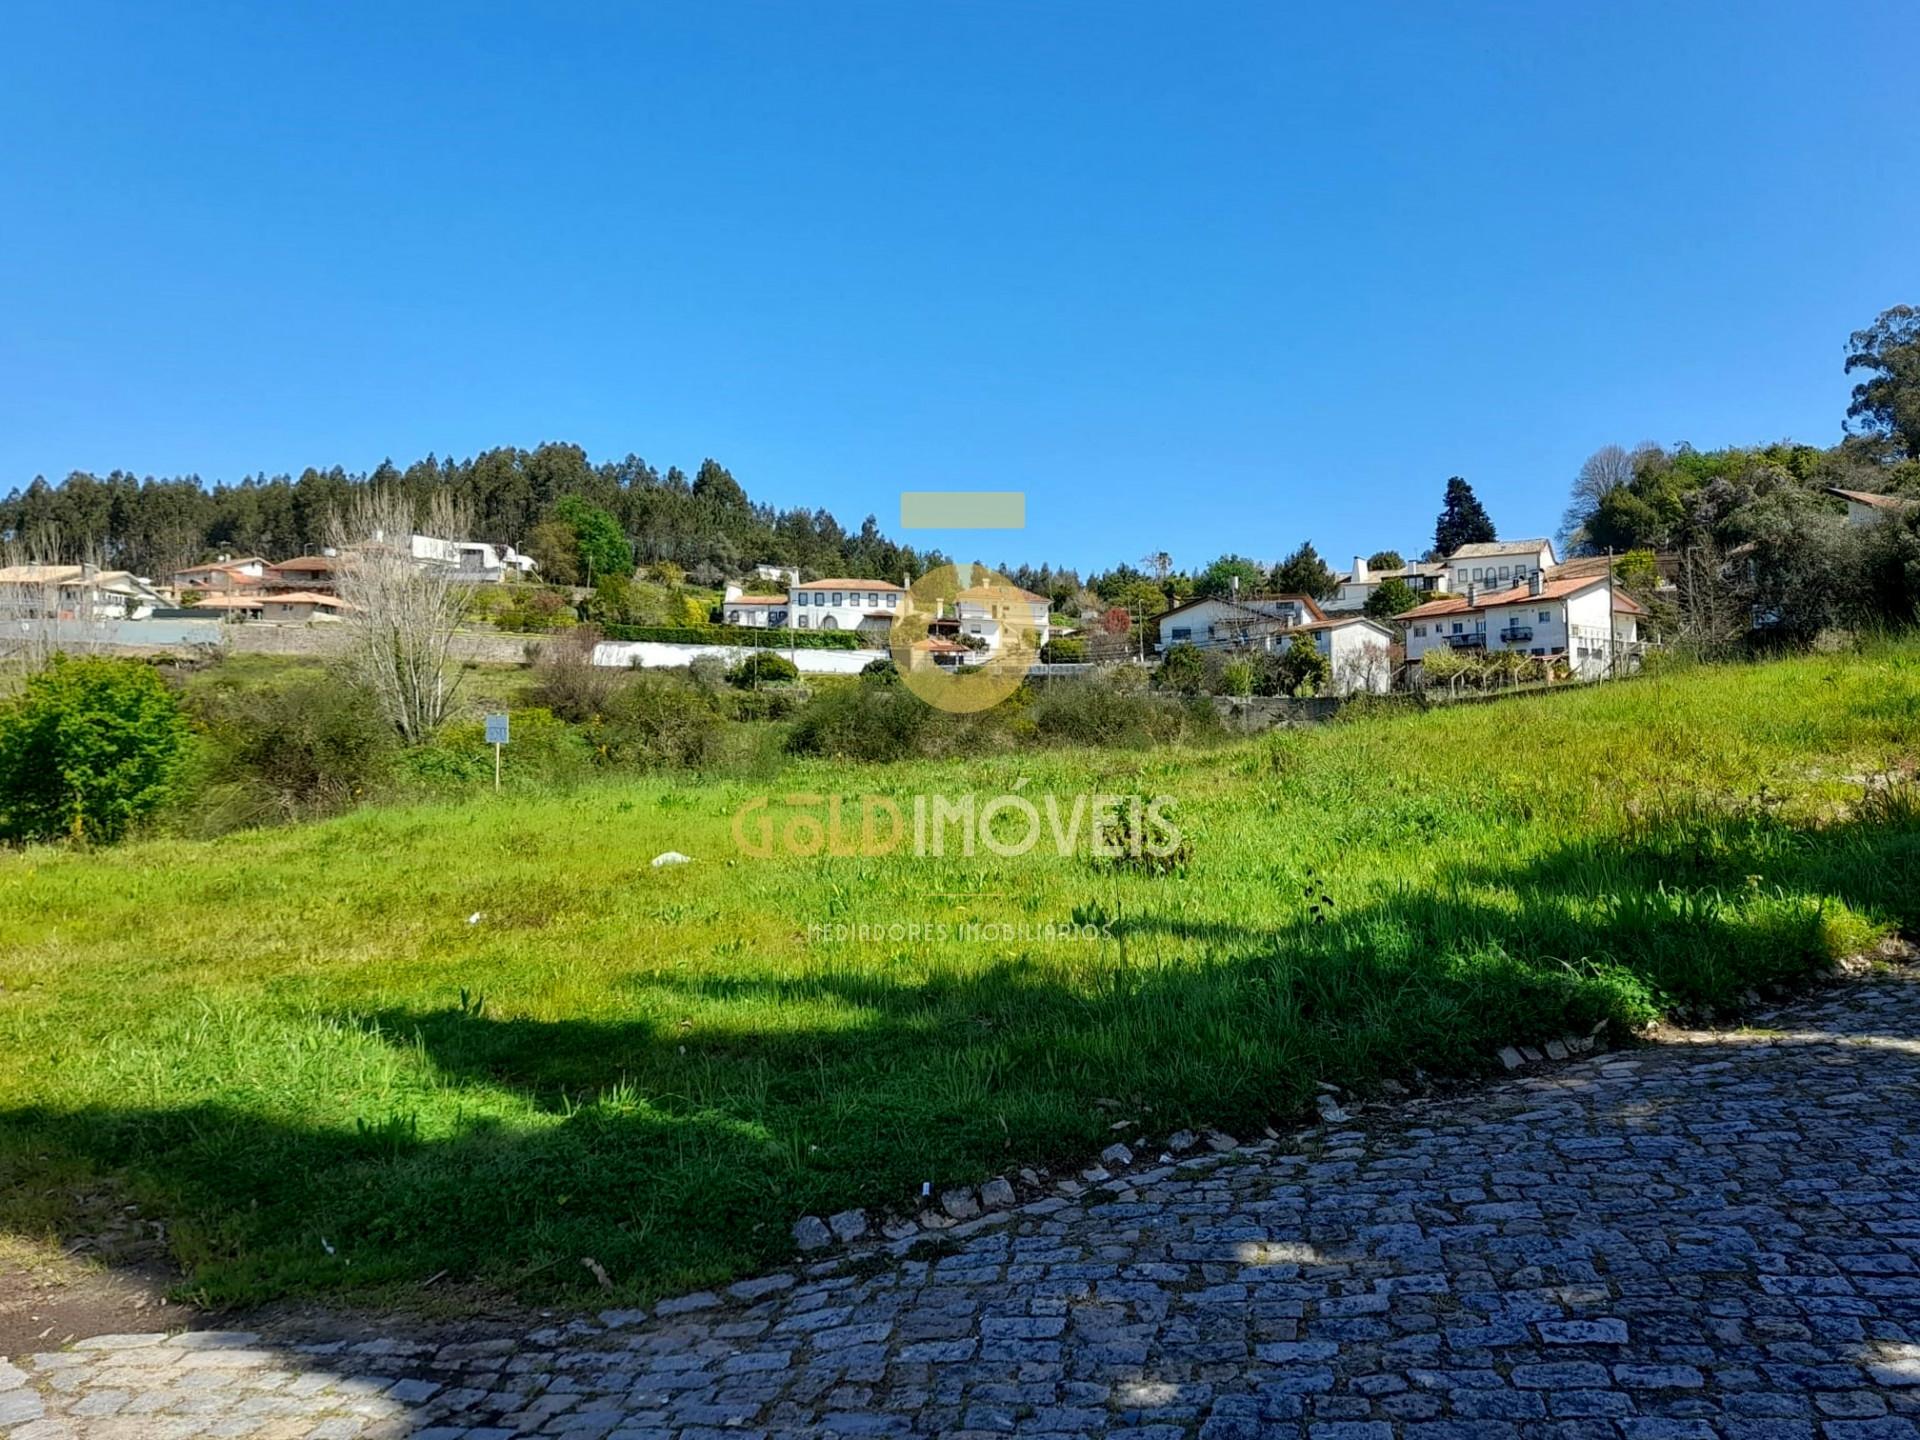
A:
(1717, 1236)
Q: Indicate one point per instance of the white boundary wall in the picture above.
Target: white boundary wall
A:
(657, 654)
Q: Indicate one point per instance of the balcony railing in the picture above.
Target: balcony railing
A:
(1475, 641)
(1514, 633)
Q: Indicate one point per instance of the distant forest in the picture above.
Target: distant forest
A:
(704, 523)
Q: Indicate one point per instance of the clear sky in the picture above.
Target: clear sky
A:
(1199, 277)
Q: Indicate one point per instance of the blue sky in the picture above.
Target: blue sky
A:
(1199, 278)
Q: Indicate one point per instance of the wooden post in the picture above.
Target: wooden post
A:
(496, 769)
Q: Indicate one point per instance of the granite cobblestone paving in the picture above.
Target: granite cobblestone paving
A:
(1718, 1235)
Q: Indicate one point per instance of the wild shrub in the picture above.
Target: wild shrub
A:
(1094, 712)
(863, 722)
(567, 682)
(543, 751)
(88, 749)
(312, 744)
(775, 703)
(1183, 670)
(657, 721)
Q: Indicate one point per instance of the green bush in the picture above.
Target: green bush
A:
(657, 721)
(770, 704)
(740, 635)
(1183, 670)
(763, 668)
(543, 750)
(310, 744)
(528, 609)
(88, 749)
(863, 722)
(1064, 650)
(1237, 676)
(880, 672)
(1093, 712)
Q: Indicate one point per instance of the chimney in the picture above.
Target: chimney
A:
(732, 592)
(1360, 575)
(1473, 592)
(1536, 583)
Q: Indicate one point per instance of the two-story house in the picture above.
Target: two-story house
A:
(1585, 618)
(224, 576)
(1358, 584)
(1494, 563)
(868, 606)
(304, 574)
(992, 612)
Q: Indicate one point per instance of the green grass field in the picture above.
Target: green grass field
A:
(293, 1047)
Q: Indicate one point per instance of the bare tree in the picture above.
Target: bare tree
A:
(1159, 564)
(401, 613)
(1610, 468)
(1368, 668)
(45, 606)
(1714, 606)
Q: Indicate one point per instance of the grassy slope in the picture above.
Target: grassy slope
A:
(276, 1039)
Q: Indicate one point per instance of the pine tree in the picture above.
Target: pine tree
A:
(1463, 520)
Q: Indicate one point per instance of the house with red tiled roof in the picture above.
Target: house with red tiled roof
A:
(868, 606)
(757, 612)
(1586, 619)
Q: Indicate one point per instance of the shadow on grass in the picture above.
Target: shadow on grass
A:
(675, 1158)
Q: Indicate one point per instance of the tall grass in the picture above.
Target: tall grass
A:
(295, 1036)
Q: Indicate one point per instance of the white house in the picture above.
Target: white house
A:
(782, 574)
(1494, 563)
(223, 576)
(1584, 618)
(1358, 584)
(869, 606)
(990, 612)
(74, 592)
(757, 612)
(1866, 508)
(1359, 651)
(1251, 622)
(474, 559)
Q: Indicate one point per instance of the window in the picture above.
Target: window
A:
(839, 597)
(803, 622)
(1181, 632)
(1505, 571)
(799, 597)
(1546, 617)
(893, 601)
(873, 599)
(1420, 630)
(733, 617)
(1458, 627)
(1539, 649)
(1460, 577)
(1479, 625)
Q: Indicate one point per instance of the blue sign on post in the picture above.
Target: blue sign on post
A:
(496, 737)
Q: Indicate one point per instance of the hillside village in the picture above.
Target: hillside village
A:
(1543, 617)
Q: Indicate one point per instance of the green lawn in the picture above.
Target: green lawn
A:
(293, 1047)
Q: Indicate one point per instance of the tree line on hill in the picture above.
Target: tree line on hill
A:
(1755, 528)
(553, 500)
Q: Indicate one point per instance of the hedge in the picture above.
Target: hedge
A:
(739, 635)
